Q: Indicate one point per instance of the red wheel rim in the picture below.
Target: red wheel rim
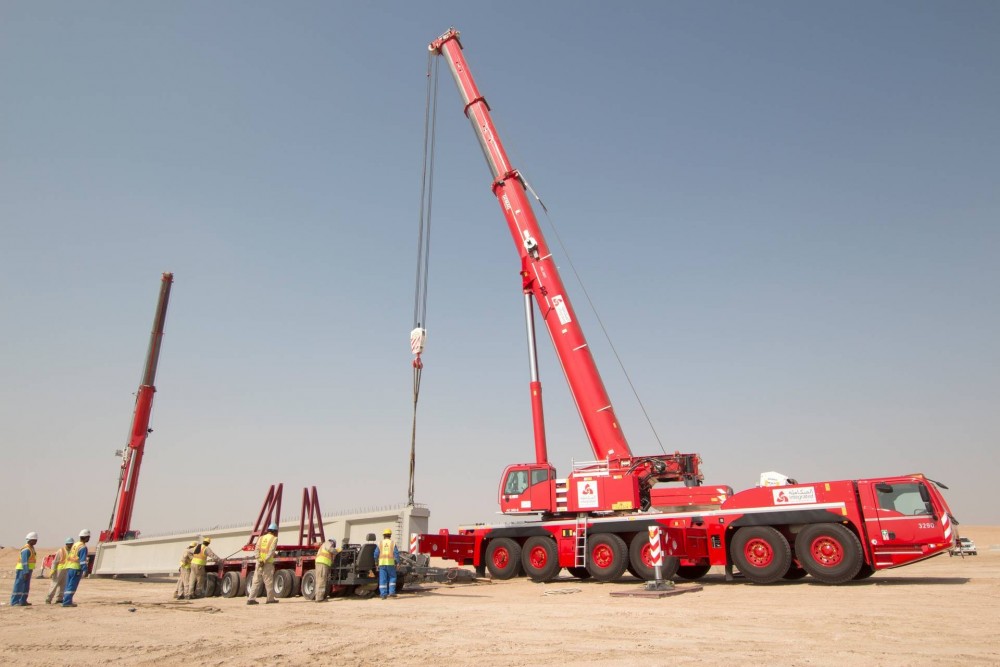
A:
(826, 551)
(538, 557)
(758, 552)
(647, 560)
(602, 556)
(501, 558)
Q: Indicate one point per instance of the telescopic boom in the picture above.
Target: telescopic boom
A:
(121, 519)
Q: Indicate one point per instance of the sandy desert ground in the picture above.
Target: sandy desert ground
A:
(945, 611)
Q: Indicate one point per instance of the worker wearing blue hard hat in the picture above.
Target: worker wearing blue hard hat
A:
(267, 545)
(58, 584)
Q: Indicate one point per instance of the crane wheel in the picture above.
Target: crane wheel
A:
(540, 559)
(607, 556)
(761, 553)
(503, 558)
(829, 552)
(640, 563)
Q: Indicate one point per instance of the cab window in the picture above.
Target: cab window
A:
(539, 476)
(517, 482)
(903, 498)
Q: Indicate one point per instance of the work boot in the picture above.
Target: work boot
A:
(252, 602)
(69, 604)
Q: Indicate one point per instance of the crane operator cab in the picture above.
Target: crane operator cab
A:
(527, 488)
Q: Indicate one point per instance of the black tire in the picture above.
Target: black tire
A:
(230, 584)
(211, 584)
(296, 583)
(638, 560)
(865, 572)
(829, 552)
(607, 556)
(309, 585)
(503, 558)
(761, 553)
(245, 582)
(794, 573)
(540, 559)
(693, 572)
(580, 573)
(283, 583)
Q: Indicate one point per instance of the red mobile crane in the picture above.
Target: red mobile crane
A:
(128, 480)
(595, 521)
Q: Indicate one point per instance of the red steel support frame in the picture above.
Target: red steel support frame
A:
(540, 275)
(121, 519)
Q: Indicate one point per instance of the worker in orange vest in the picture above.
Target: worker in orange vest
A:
(58, 584)
(184, 572)
(200, 555)
(387, 555)
(23, 570)
(324, 563)
(267, 545)
(76, 565)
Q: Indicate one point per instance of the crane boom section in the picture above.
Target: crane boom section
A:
(539, 272)
(132, 455)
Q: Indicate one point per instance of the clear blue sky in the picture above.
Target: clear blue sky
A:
(787, 214)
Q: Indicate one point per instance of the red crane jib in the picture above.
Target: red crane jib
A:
(618, 479)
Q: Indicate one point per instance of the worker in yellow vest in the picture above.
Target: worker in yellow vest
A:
(200, 555)
(58, 584)
(324, 563)
(184, 572)
(267, 546)
(76, 565)
(387, 555)
(22, 572)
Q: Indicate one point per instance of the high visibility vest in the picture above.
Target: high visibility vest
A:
(264, 546)
(199, 557)
(31, 558)
(186, 560)
(73, 557)
(385, 552)
(61, 558)
(324, 556)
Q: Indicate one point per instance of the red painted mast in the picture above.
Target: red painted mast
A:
(541, 278)
(121, 519)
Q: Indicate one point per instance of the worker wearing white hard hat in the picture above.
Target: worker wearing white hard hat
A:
(58, 575)
(23, 570)
(267, 547)
(324, 564)
(184, 572)
(76, 567)
(387, 556)
(200, 555)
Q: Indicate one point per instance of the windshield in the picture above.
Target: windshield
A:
(903, 498)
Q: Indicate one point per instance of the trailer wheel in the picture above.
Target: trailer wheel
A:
(693, 572)
(503, 558)
(540, 559)
(231, 584)
(309, 585)
(640, 562)
(829, 552)
(580, 573)
(761, 553)
(283, 580)
(211, 585)
(607, 556)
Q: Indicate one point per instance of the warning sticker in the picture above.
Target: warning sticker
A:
(561, 310)
(784, 496)
(586, 494)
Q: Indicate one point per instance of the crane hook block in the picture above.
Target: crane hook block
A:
(417, 338)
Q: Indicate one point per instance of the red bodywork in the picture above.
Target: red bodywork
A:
(878, 524)
(128, 481)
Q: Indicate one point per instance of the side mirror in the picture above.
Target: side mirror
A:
(882, 487)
